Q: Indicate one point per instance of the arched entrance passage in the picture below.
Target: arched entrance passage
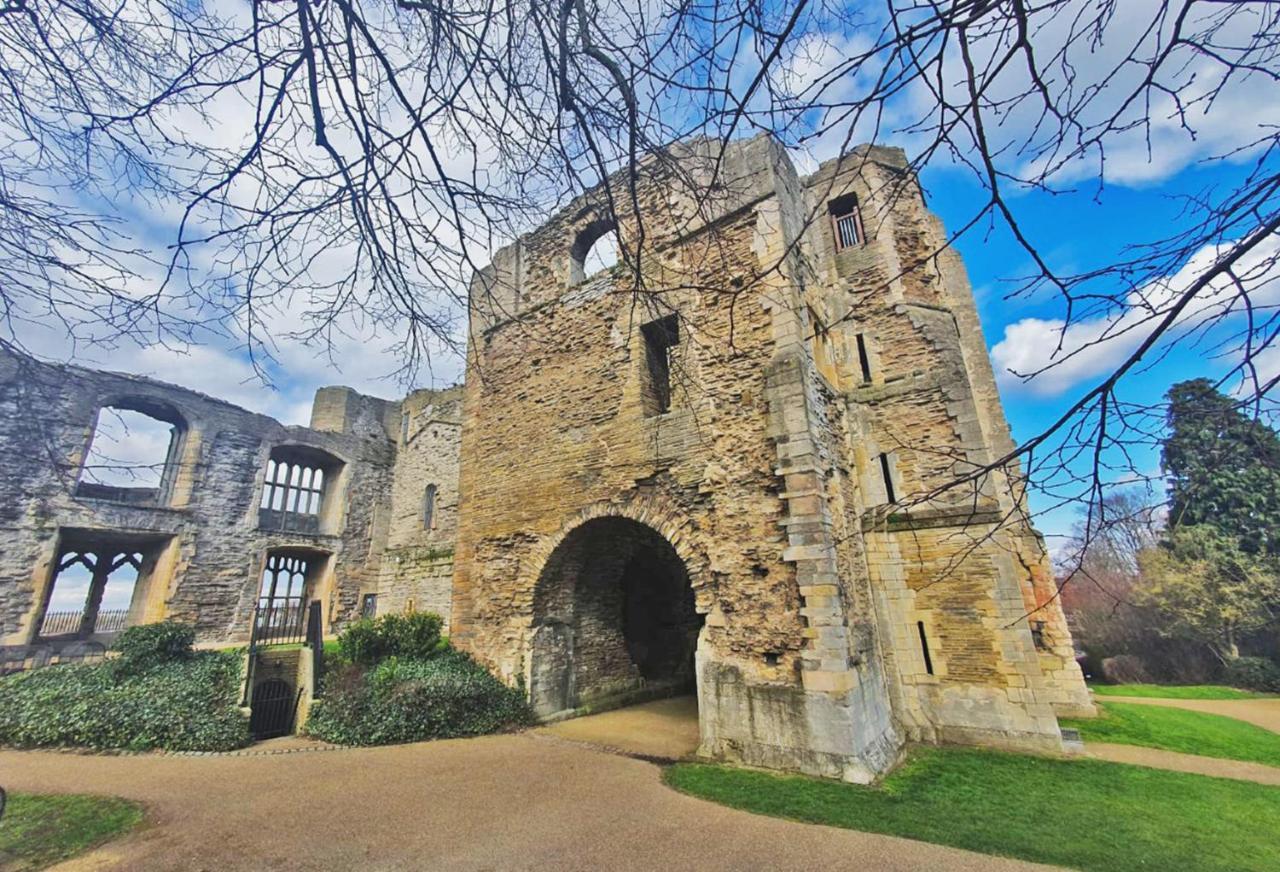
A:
(614, 619)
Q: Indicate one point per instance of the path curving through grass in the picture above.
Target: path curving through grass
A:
(1084, 814)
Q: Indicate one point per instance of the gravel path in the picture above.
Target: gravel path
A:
(1264, 713)
(501, 802)
(1158, 758)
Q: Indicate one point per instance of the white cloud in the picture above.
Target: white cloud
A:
(1046, 356)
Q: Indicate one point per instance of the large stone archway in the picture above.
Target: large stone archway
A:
(614, 619)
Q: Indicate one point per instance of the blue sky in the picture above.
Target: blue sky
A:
(1075, 231)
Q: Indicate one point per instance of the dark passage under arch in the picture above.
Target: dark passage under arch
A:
(614, 618)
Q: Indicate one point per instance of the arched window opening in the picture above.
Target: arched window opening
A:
(296, 487)
(132, 453)
(595, 249)
(429, 508)
(288, 577)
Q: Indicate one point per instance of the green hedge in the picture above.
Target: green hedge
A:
(402, 700)
(415, 636)
(1254, 673)
(188, 704)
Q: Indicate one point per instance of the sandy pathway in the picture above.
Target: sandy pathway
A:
(502, 802)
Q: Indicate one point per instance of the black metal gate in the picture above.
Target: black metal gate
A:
(274, 704)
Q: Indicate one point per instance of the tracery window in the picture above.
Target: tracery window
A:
(296, 489)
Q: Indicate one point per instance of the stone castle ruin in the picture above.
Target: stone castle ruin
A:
(718, 468)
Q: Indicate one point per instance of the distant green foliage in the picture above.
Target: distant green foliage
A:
(149, 645)
(405, 700)
(1079, 814)
(1223, 467)
(1254, 673)
(1205, 587)
(414, 636)
(1174, 691)
(189, 704)
(39, 831)
(1175, 729)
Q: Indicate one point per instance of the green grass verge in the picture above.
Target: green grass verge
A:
(1175, 691)
(1180, 730)
(38, 830)
(1085, 814)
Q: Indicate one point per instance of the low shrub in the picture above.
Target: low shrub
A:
(406, 700)
(414, 636)
(1125, 669)
(149, 645)
(189, 704)
(1253, 673)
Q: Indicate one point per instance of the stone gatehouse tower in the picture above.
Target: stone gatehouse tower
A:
(724, 477)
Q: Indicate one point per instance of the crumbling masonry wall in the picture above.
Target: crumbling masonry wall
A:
(204, 537)
(765, 474)
(417, 558)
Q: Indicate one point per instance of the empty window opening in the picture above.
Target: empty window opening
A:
(429, 508)
(130, 454)
(287, 578)
(660, 338)
(924, 647)
(846, 222)
(92, 592)
(295, 488)
(864, 362)
(369, 606)
(594, 249)
(886, 471)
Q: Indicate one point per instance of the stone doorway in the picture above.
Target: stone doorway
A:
(614, 621)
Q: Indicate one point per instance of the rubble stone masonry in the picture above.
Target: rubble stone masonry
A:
(726, 466)
(203, 536)
(808, 385)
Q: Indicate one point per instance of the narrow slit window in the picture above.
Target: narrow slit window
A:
(846, 222)
(660, 337)
(924, 647)
(864, 362)
(886, 471)
(429, 508)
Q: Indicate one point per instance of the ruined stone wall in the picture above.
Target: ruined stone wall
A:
(206, 541)
(804, 493)
(417, 559)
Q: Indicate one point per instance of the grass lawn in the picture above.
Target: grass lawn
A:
(1086, 814)
(1179, 730)
(1175, 691)
(38, 831)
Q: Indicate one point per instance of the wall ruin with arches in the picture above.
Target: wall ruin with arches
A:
(200, 522)
(773, 393)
